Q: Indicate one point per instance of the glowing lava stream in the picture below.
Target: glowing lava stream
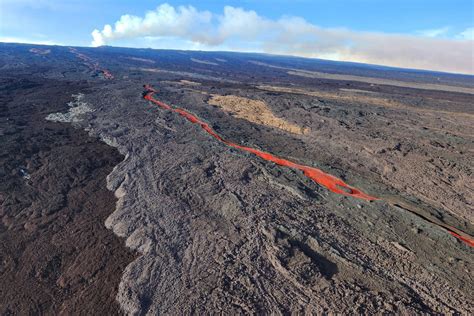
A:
(91, 64)
(332, 183)
(328, 181)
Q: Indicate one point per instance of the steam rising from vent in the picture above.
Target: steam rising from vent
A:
(243, 30)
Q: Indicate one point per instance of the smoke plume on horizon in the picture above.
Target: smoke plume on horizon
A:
(245, 30)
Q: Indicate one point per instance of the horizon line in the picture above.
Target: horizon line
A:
(258, 53)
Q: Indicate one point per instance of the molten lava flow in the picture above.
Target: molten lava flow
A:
(467, 240)
(107, 74)
(91, 64)
(330, 182)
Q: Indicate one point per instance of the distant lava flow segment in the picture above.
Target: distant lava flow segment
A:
(330, 182)
(91, 64)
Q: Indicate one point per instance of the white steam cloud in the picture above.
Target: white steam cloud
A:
(247, 31)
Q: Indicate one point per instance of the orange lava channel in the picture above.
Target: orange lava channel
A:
(93, 65)
(466, 240)
(328, 181)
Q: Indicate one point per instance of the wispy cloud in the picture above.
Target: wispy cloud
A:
(443, 31)
(467, 34)
(38, 41)
(247, 30)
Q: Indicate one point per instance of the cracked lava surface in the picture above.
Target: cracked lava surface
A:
(206, 231)
(328, 181)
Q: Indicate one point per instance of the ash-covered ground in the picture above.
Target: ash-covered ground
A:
(204, 227)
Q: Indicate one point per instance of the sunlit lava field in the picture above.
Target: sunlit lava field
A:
(178, 182)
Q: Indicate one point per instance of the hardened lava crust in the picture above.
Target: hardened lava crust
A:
(144, 181)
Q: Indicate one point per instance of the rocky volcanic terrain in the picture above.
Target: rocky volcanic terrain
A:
(140, 181)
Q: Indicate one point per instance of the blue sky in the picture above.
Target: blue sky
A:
(53, 20)
(71, 23)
